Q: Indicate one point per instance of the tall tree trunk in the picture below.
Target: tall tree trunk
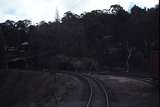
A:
(129, 54)
(128, 59)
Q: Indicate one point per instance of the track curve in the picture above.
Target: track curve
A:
(98, 94)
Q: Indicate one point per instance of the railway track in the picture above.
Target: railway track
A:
(98, 95)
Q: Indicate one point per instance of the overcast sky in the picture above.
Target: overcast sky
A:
(38, 10)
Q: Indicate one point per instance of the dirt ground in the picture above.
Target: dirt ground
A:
(74, 96)
(36, 89)
(130, 92)
(26, 89)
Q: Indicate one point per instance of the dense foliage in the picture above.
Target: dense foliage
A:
(108, 36)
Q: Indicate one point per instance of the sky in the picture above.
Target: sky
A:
(45, 10)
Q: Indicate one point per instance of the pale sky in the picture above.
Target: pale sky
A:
(38, 10)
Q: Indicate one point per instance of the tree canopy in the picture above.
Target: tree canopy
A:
(88, 34)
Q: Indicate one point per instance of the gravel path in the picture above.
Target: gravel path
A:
(129, 92)
(76, 97)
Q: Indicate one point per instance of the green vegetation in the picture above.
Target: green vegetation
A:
(112, 37)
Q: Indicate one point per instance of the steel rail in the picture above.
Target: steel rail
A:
(106, 92)
(102, 87)
(90, 97)
(88, 79)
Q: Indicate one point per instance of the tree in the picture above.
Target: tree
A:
(137, 11)
(138, 32)
(87, 34)
(8, 30)
(70, 17)
(115, 9)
